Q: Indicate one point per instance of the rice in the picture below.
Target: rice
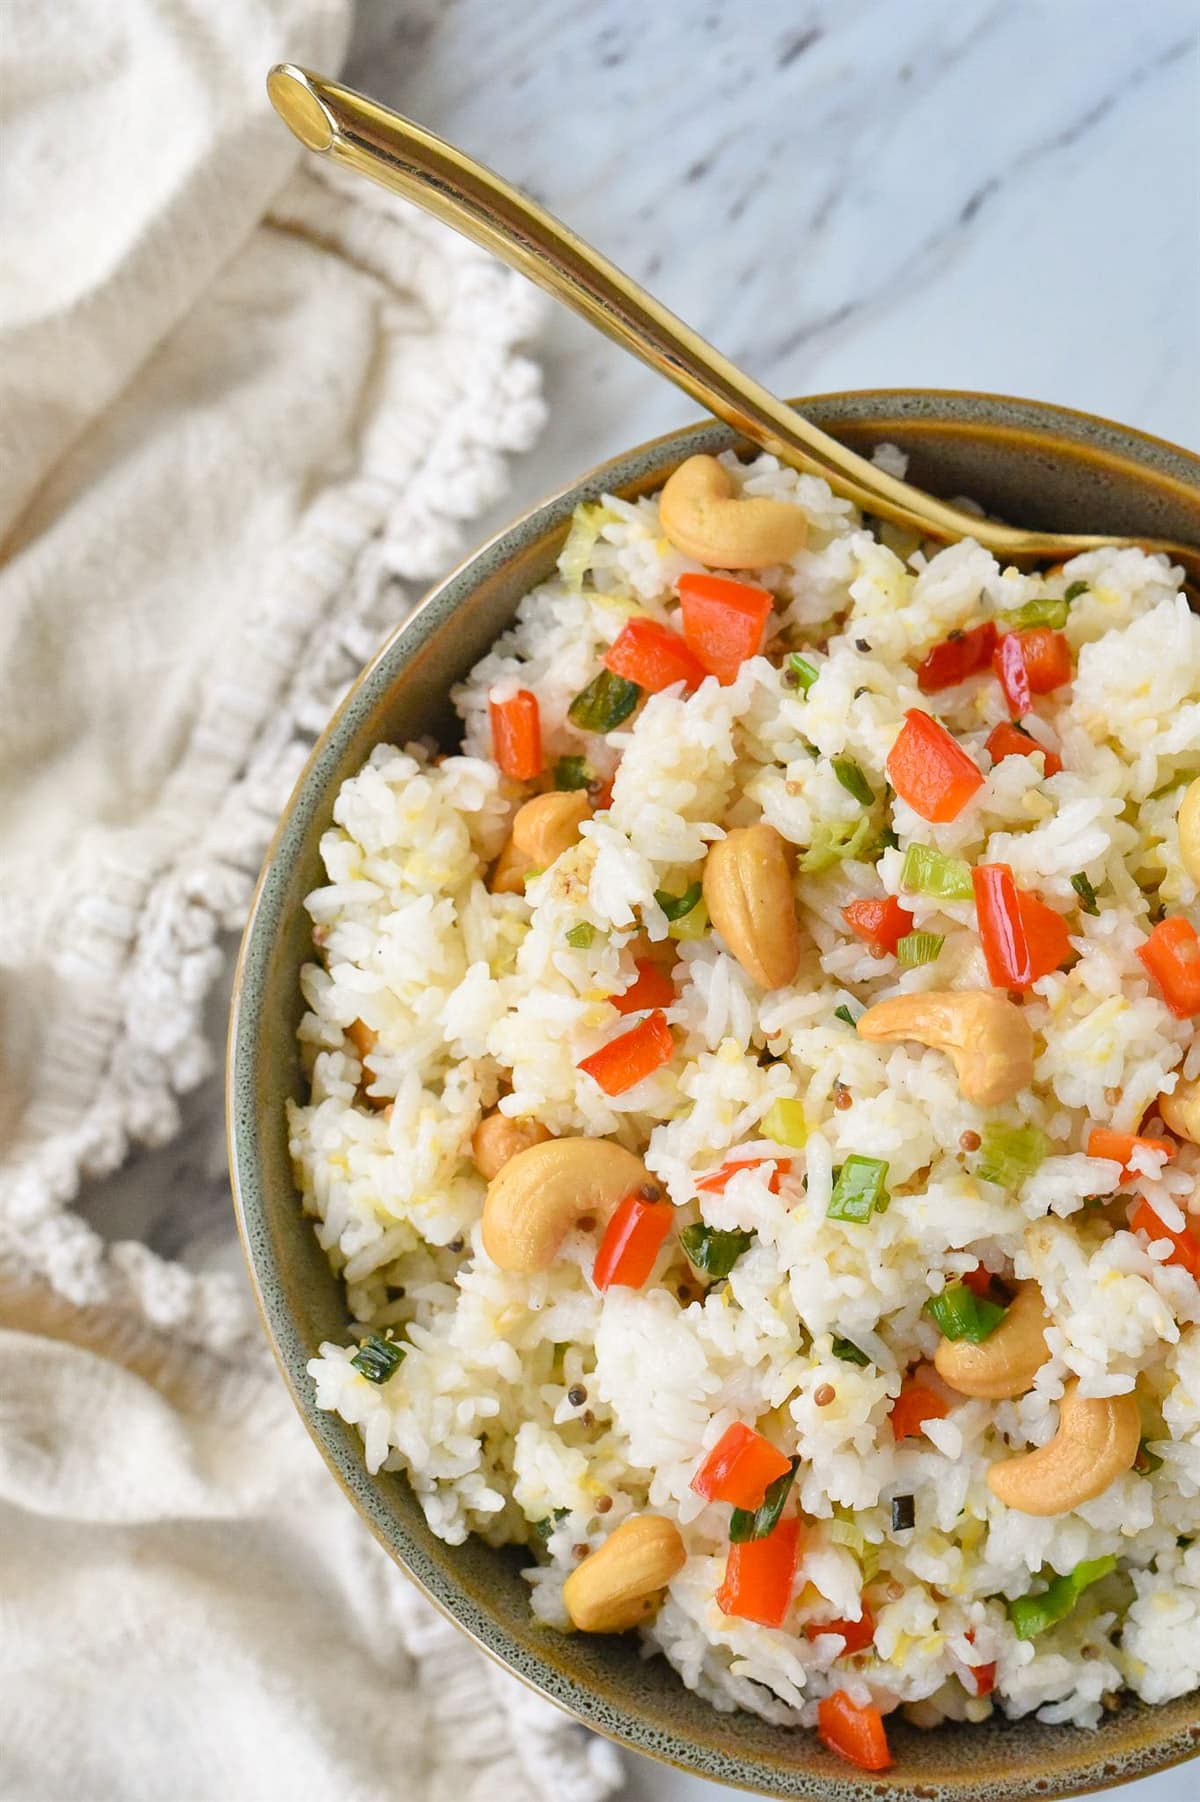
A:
(463, 1000)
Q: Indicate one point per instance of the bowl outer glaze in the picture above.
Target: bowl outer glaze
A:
(1041, 465)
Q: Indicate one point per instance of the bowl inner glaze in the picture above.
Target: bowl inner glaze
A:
(1034, 464)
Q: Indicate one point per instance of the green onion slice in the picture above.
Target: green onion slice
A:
(843, 1013)
(581, 936)
(572, 772)
(1047, 610)
(961, 1314)
(852, 780)
(805, 672)
(1031, 1615)
(919, 948)
(860, 1190)
(1074, 591)
(930, 872)
(1009, 1155)
(833, 841)
(378, 1358)
(756, 1523)
(1086, 893)
(675, 906)
(604, 703)
(711, 1252)
(849, 1353)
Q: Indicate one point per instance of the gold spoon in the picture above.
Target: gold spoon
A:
(336, 122)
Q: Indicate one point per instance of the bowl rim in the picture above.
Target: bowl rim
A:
(1173, 464)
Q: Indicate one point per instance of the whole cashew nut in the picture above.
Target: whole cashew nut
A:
(1189, 830)
(1181, 1111)
(703, 516)
(510, 870)
(987, 1037)
(549, 825)
(748, 892)
(539, 1194)
(1006, 1362)
(1096, 1442)
(497, 1138)
(619, 1585)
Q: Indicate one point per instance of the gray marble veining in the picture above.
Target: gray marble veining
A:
(993, 194)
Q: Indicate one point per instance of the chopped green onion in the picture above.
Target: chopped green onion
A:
(930, 872)
(1146, 1461)
(843, 1013)
(1074, 591)
(919, 948)
(853, 781)
(572, 772)
(784, 1122)
(675, 906)
(1031, 1615)
(833, 841)
(961, 1314)
(542, 1529)
(1008, 1155)
(692, 926)
(581, 936)
(711, 1252)
(1086, 893)
(805, 672)
(378, 1358)
(849, 1353)
(604, 703)
(576, 553)
(756, 1523)
(860, 1190)
(1047, 610)
(887, 841)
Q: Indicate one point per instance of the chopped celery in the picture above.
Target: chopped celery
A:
(1031, 1615)
(961, 1314)
(1008, 1155)
(833, 841)
(930, 872)
(853, 781)
(1047, 610)
(712, 1252)
(581, 936)
(692, 925)
(860, 1190)
(805, 673)
(576, 553)
(675, 906)
(378, 1358)
(604, 703)
(847, 1533)
(784, 1122)
(756, 1523)
(919, 948)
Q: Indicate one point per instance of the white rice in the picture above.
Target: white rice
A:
(477, 998)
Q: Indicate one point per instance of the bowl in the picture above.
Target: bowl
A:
(1037, 464)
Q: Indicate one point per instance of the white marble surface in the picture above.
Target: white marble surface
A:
(994, 194)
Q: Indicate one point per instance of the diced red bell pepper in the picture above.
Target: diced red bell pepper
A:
(1185, 1245)
(857, 1634)
(1172, 956)
(980, 1677)
(716, 1183)
(914, 1405)
(740, 1468)
(1031, 663)
(857, 1734)
(723, 621)
(979, 1280)
(1009, 664)
(760, 1574)
(604, 796)
(880, 924)
(930, 770)
(961, 655)
(1023, 939)
(634, 1055)
(1120, 1147)
(631, 1242)
(653, 656)
(1006, 740)
(651, 988)
(517, 735)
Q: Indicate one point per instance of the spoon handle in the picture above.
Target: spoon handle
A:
(391, 150)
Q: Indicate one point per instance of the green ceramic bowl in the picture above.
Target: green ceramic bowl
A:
(1034, 464)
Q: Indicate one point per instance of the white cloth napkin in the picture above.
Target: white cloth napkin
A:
(243, 409)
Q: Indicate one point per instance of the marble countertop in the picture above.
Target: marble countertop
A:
(996, 194)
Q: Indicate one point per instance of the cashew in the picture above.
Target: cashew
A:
(749, 896)
(498, 1138)
(1181, 1111)
(618, 1585)
(987, 1037)
(510, 870)
(703, 515)
(532, 1203)
(1096, 1442)
(549, 825)
(1189, 830)
(1007, 1361)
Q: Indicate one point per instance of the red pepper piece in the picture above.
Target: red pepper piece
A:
(979, 1281)
(880, 924)
(1006, 740)
(517, 735)
(961, 655)
(631, 1242)
(1185, 1245)
(1120, 1147)
(982, 1677)
(636, 1054)
(740, 1468)
(1009, 664)
(914, 1405)
(652, 987)
(1031, 663)
(723, 621)
(653, 656)
(716, 1183)
(1023, 939)
(857, 1634)
(759, 1575)
(857, 1734)
(930, 770)
(1172, 956)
